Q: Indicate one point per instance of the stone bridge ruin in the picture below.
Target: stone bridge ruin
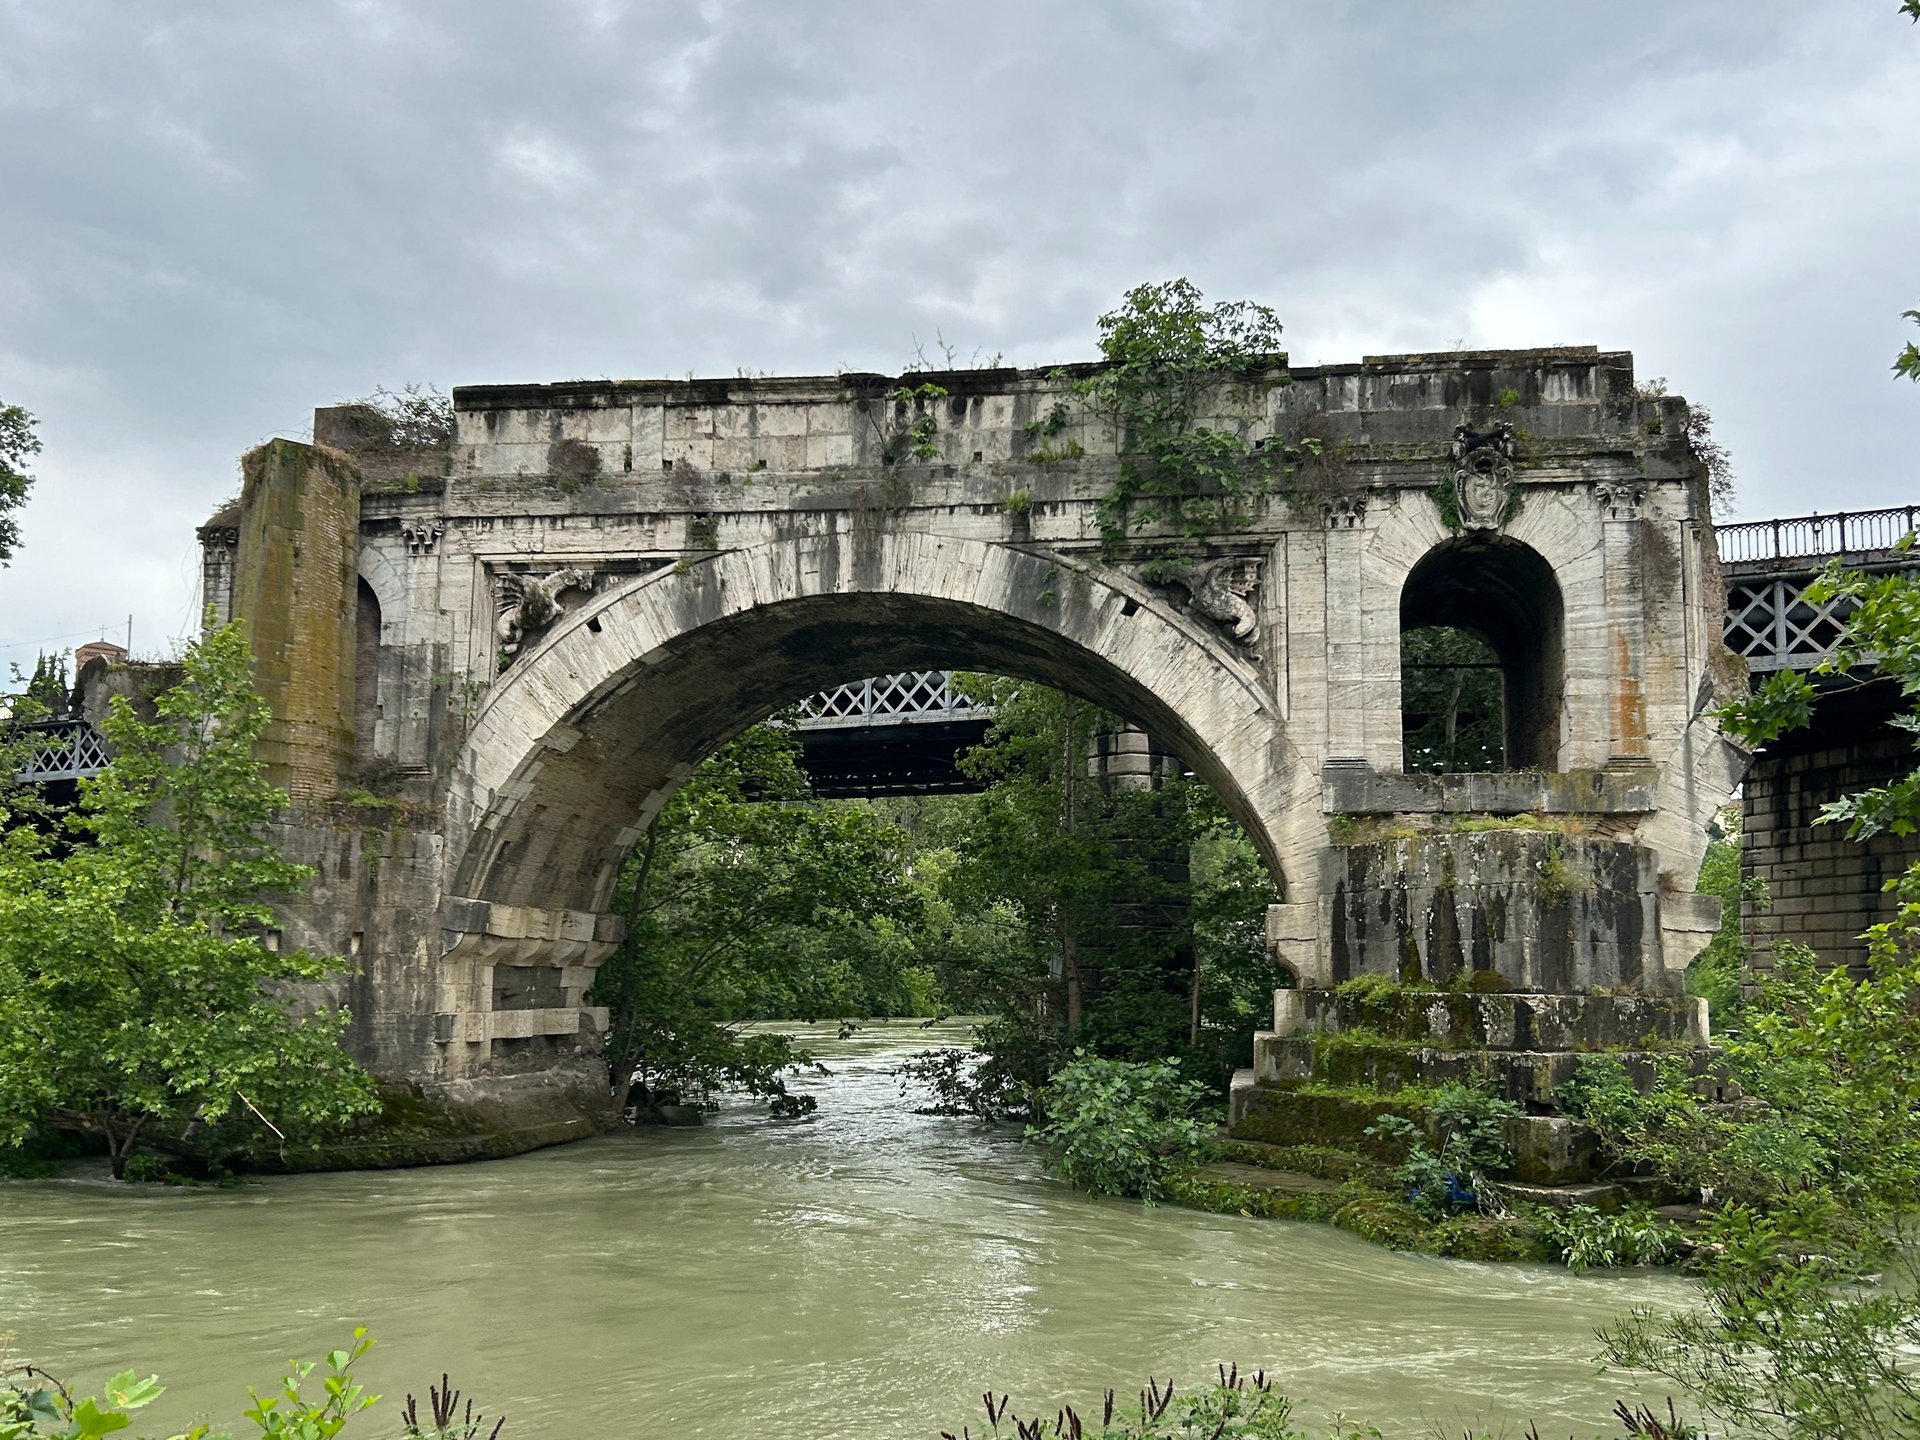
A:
(491, 664)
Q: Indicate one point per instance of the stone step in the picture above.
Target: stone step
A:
(1510, 1021)
(1547, 1149)
(1328, 1162)
(1357, 1060)
(1600, 1195)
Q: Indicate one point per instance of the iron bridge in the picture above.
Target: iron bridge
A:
(1769, 565)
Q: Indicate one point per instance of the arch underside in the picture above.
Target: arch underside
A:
(641, 684)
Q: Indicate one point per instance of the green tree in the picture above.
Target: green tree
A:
(1453, 700)
(747, 898)
(1165, 349)
(1785, 1346)
(138, 995)
(18, 443)
(1717, 972)
(1119, 1127)
(1111, 947)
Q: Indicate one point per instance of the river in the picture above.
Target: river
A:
(865, 1272)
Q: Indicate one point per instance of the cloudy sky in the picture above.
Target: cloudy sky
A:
(215, 216)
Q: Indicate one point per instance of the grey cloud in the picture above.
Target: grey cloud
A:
(221, 214)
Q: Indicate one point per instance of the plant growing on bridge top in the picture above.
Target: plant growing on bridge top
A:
(414, 417)
(1714, 460)
(17, 444)
(1167, 351)
(139, 997)
(914, 431)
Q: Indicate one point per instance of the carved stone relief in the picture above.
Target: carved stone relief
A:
(1482, 474)
(1620, 499)
(1344, 512)
(422, 535)
(529, 604)
(1224, 591)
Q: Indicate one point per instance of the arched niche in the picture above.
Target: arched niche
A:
(1504, 594)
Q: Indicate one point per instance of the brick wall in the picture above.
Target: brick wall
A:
(1826, 888)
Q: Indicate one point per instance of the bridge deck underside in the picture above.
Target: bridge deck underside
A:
(872, 761)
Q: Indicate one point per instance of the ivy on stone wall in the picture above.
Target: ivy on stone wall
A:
(1446, 500)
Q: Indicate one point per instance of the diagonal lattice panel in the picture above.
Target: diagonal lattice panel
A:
(913, 695)
(1775, 626)
(64, 750)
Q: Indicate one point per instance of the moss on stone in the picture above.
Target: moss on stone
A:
(1323, 1162)
(1223, 1197)
(1383, 1220)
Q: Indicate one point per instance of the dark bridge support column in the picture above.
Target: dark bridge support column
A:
(1825, 888)
(1129, 760)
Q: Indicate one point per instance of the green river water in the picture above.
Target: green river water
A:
(866, 1272)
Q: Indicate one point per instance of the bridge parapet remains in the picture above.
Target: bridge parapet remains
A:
(558, 614)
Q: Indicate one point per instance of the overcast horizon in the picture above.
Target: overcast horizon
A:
(229, 214)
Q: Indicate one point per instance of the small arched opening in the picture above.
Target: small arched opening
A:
(366, 667)
(1482, 646)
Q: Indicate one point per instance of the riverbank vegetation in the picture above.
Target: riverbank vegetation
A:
(1073, 910)
(140, 998)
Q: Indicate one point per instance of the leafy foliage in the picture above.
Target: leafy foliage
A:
(1116, 1127)
(1453, 697)
(18, 444)
(1166, 351)
(1882, 632)
(1717, 973)
(1785, 1346)
(35, 1405)
(1004, 1077)
(1469, 1128)
(1086, 880)
(415, 417)
(1907, 362)
(1713, 461)
(1583, 1238)
(1233, 1407)
(136, 990)
(916, 436)
(745, 899)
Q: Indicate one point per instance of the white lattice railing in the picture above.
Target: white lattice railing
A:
(1770, 564)
(914, 697)
(58, 750)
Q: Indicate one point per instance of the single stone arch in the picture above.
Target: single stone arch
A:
(588, 734)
